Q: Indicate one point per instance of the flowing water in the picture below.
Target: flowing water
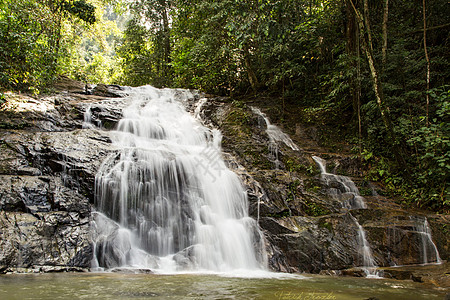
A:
(367, 262)
(166, 200)
(340, 187)
(275, 135)
(344, 189)
(429, 252)
(187, 286)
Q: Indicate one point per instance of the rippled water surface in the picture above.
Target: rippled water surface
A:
(189, 286)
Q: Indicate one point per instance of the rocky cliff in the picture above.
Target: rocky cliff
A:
(47, 170)
(49, 158)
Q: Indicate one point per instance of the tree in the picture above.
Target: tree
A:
(151, 25)
(31, 33)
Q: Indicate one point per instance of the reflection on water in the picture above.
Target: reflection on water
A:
(189, 286)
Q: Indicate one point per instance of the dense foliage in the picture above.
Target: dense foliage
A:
(43, 39)
(378, 71)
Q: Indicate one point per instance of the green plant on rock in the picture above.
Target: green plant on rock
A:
(279, 215)
(326, 225)
(315, 209)
(2, 99)
(292, 190)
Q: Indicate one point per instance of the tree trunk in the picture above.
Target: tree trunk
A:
(427, 58)
(353, 46)
(385, 20)
(367, 23)
(166, 41)
(251, 74)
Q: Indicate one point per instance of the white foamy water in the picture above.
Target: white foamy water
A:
(367, 262)
(344, 189)
(167, 201)
(340, 187)
(275, 135)
(429, 252)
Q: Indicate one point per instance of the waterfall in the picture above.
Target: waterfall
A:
(344, 189)
(365, 252)
(340, 187)
(275, 135)
(87, 120)
(429, 252)
(166, 200)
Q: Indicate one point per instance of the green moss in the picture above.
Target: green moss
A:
(314, 209)
(445, 229)
(257, 160)
(326, 225)
(281, 214)
(313, 189)
(365, 191)
(292, 191)
(6, 125)
(292, 164)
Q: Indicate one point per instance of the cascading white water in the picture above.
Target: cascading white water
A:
(87, 122)
(340, 187)
(344, 189)
(275, 135)
(365, 252)
(429, 252)
(167, 199)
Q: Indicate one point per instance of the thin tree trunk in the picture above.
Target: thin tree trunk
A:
(427, 58)
(353, 47)
(385, 21)
(251, 74)
(167, 48)
(367, 23)
(358, 88)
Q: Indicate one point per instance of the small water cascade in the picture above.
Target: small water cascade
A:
(167, 201)
(340, 187)
(275, 135)
(344, 189)
(429, 252)
(87, 121)
(365, 252)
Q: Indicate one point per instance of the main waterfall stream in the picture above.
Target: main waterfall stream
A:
(166, 200)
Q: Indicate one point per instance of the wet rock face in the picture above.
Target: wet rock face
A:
(47, 174)
(34, 241)
(314, 244)
(114, 91)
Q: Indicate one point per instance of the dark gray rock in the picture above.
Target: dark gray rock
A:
(44, 239)
(48, 165)
(111, 90)
(47, 175)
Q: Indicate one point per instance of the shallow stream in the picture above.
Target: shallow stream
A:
(207, 286)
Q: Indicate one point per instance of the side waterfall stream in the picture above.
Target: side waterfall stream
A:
(166, 200)
(345, 190)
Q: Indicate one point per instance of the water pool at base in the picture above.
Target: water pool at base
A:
(192, 286)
